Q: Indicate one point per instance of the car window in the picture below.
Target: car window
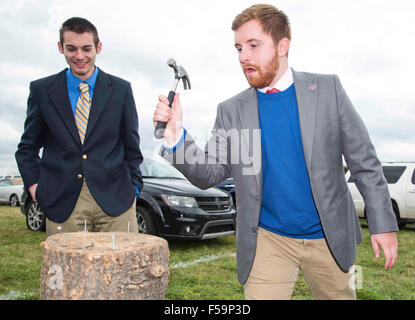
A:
(159, 169)
(393, 173)
(5, 183)
(413, 178)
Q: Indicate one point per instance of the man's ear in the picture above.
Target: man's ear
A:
(60, 47)
(283, 47)
(99, 47)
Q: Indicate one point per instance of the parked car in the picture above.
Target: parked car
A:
(169, 206)
(401, 184)
(11, 191)
(228, 185)
(12, 176)
(35, 219)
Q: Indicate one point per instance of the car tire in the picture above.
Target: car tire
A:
(145, 220)
(14, 200)
(35, 219)
(399, 221)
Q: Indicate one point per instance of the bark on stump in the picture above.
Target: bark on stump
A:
(137, 268)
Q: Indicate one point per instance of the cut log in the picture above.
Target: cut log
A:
(91, 266)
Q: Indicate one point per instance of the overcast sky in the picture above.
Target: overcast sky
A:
(369, 44)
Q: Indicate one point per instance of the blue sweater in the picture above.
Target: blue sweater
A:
(288, 207)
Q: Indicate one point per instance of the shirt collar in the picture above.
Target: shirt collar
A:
(74, 81)
(284, 83)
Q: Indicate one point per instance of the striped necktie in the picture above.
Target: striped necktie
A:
(82, 110)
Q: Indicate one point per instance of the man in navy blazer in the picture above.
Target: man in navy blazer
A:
(93, 182)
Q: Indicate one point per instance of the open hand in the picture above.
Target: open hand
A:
(389, 244)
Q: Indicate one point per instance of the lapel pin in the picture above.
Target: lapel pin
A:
(312, 87)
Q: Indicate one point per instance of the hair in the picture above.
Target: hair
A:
(79, 26)
(274, 22)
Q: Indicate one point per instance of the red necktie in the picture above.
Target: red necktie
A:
(273, 90)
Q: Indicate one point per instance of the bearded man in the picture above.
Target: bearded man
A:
(294, 208)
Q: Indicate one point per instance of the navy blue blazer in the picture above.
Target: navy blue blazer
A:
(108, 160)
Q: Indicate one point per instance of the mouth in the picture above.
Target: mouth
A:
(80, 64)
(249, 70)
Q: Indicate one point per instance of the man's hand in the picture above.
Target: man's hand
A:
(173, 116)
(32, 191)
(389, 244)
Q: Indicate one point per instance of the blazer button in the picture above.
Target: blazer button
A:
(254, 229)
(79, 176)
(84, 157)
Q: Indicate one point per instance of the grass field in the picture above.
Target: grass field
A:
(200, 270)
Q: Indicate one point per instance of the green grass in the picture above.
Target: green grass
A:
(199, 270)
(20, 256)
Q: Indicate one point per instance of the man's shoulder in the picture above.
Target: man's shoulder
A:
(306, 76)
(114, 79)
(48, 80)
(241, 96)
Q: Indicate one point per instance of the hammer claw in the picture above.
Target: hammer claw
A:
(179, 73)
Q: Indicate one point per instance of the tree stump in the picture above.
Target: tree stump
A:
(91, 266)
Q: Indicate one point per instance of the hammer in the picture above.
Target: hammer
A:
(179, 73)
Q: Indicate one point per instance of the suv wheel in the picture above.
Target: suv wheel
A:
(35, 219)
(14, 200)
(145, 221)
(399, 221)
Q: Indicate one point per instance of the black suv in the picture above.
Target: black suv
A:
(169, 206)
(228, 185)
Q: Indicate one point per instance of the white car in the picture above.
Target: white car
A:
(11, 191)
(401, 182)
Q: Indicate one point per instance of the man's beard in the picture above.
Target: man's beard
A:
(264, 78)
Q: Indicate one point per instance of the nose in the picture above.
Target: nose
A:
(243, 56)
(79, 54)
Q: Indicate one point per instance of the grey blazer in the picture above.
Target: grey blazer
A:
(330, 128)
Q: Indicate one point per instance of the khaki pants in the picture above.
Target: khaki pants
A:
(278, 260)
(97, 220)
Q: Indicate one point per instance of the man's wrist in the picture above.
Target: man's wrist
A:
(172, 149)
(170, 143)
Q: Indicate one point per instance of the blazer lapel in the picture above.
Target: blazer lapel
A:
(58, 92)
(248, 113)
(306, 91)
(102, 93)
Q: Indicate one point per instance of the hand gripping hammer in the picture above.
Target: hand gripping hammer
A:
(179, 73)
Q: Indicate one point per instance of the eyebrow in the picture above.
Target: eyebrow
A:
(248, 41)
(83, 47)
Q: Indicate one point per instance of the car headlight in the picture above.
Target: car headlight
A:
(179, 201)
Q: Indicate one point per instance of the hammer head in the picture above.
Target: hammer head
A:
(180, 73)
